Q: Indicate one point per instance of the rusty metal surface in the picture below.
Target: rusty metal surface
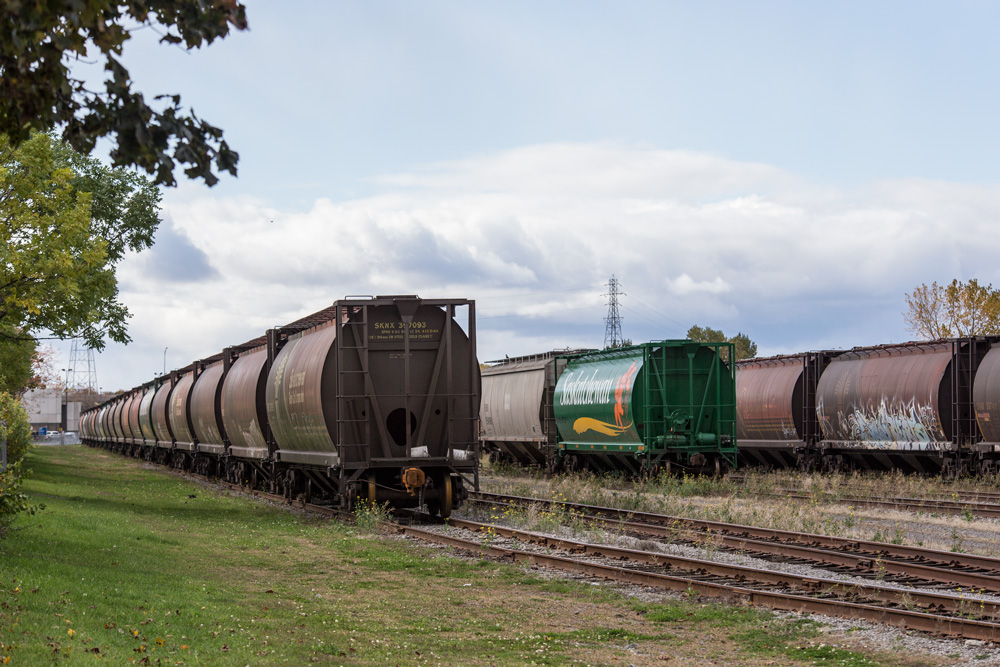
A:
(769, 400)
(244, 414)
(390, 400)
(986, 395)
(866, 558)
(159, 414)
(875, 549)
(205, 406)
(863, 564)
(146, 417)
(178, 411)
(916, 620)
(116, 419)
(512, 402)
(294, 393)
(891, 397)
(103, 427)
(132, 424)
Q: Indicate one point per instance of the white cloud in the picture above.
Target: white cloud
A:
(533, 233)
(684, 285)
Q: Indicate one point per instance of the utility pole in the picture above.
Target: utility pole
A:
(613, 322)
(82, 374)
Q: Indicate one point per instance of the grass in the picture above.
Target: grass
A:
(129, 564)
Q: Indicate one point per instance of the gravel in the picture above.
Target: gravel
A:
(870, 635)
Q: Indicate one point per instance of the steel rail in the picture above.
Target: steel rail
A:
(902, 571)
(985, 510)
(954, 562)
(983, 503)
(959, 604)
(904, 618)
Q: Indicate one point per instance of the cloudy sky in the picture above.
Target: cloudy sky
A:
(789, 170)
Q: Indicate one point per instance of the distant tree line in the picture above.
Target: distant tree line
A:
(957, 309)
(743, 347)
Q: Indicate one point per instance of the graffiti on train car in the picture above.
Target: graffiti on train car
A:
(890, 424)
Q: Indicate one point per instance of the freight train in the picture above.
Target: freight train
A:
(373, 398)
(926, 407)
(635, 410)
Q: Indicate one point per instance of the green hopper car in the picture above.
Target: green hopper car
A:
(662, 405)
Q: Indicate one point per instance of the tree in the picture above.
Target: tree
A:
(17, 358)
(954, 310)
(37, 93)
(743, 347)
(64, 230)
(15, 429)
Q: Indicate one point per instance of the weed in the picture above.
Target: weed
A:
(957, 544)
(369, 514)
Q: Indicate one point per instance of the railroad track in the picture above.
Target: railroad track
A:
(958, 615)
(902, 564)
(932, 505)
(966, 507)
(985, 504)
(937, 613)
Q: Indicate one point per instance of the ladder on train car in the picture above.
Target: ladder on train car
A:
(963, 419)
(353, 419)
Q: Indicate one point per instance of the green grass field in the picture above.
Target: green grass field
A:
(129, 564)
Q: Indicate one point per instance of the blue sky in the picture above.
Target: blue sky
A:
(785, 169)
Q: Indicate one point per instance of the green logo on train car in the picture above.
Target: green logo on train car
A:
(593, 401)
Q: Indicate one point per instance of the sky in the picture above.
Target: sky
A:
(786, 170)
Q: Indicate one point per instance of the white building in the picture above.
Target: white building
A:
(45, 409)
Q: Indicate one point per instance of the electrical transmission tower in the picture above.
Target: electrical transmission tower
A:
(613, 322)
(82, 374)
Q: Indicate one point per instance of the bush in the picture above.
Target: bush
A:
(15, 427)
(12, 500)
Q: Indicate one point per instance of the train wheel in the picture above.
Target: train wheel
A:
(442, 501)
(447, 499)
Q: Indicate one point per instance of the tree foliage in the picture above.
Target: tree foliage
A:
(37, 91)
(66, 220)
(956, 309)
(17, 356)
(743, 347)
(16, 430)
(14, 427)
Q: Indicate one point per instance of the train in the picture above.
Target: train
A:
(930, 407)
(657, 407)
(383, 399)
(371, 399)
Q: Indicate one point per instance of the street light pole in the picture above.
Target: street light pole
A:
(65, 408)
(165, 360)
